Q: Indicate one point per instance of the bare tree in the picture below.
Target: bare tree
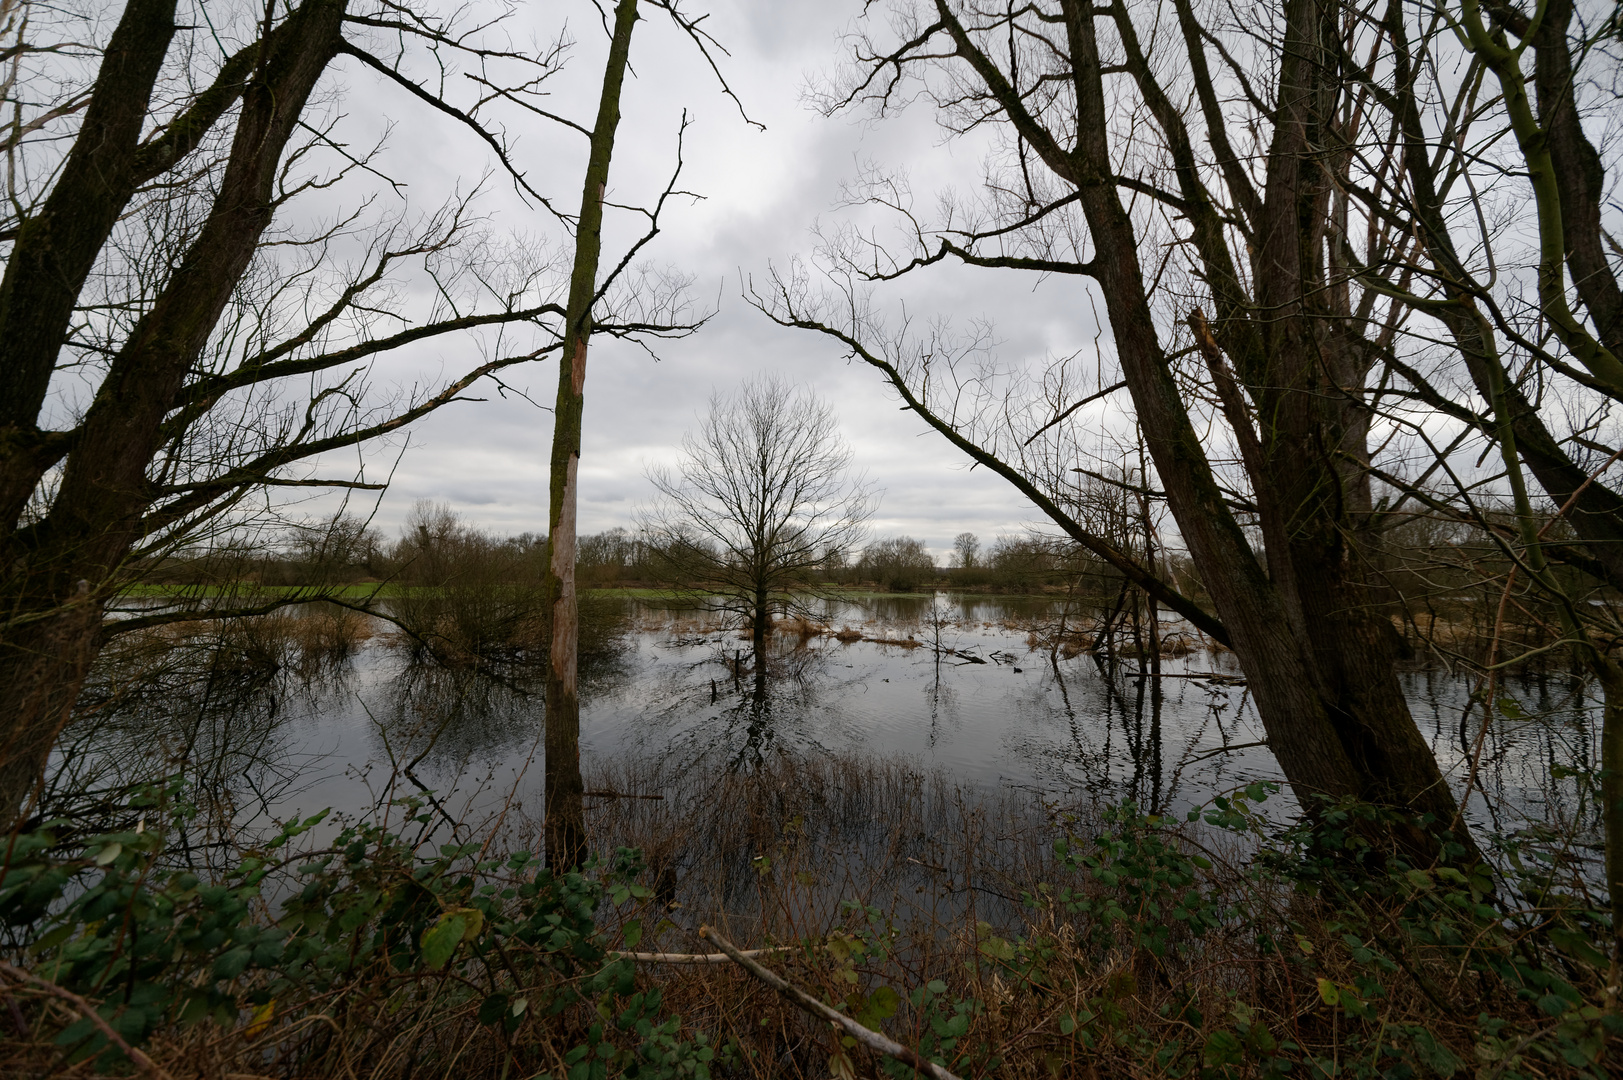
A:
(179, 329)
(584, 315)
(565, 789)
(760, 498)
(1262, 201)
(966, 550)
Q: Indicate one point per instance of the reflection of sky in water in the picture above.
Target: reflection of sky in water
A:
(685, 694)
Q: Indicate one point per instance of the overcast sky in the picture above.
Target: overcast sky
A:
(764, 193)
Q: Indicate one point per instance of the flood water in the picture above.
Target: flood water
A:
(968, 685)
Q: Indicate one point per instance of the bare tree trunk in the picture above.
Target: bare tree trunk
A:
(759, 626)
(565, 811)
(1611, 797)
(56, 248)
(63, 569)
(1300, 731)
(1151, 558)
(1316, 434)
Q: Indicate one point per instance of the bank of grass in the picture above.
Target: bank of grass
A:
(388, 590)
(249, 591)
(998, 933)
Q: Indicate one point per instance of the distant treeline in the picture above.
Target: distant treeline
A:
(1437, 578)
(436, 548)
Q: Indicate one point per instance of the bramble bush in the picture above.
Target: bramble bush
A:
(370, 939)
(1325, 953)
(1435, 970)
(1324, 950)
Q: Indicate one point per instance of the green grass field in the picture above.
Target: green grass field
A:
(364, 591)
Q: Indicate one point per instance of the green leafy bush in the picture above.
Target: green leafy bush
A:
(1356, 961)
(297, 951)
(1214, 947)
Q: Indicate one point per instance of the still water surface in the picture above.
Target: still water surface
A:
(956, 683)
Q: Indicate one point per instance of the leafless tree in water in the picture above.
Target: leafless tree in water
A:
(762, 495)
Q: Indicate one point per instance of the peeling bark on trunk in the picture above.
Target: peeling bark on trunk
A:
(565, 811)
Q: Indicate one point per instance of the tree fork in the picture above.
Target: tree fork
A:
(565, 810)
(54, 594)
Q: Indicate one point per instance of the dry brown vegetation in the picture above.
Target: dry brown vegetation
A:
(947, 917)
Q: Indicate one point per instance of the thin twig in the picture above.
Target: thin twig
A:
(89, 1012)
(1487, 701)
(869, 1038)
(1225, 750)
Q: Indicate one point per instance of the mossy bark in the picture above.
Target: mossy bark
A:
(565, 812)
(57, 572)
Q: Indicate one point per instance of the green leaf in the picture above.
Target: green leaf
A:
(883, 1003)
(475, 920)
(493, 1009)
(997, 948)
(633, 933)
(232, 963)
(441, 939)
(108, 853)
(54, 938)
(1329, 993)
(1434, 1055)
(1222, 1048)
(1553, 1004)
(1579, 945)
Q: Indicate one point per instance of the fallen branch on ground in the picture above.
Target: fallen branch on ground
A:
(866, 1036)
(697, 958)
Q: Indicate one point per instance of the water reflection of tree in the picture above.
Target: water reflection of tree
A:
(717, 704)
(434, 722)
(208, 702)
(452, 727)
(1535, 774)
(230, 706)
(1126, 735)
